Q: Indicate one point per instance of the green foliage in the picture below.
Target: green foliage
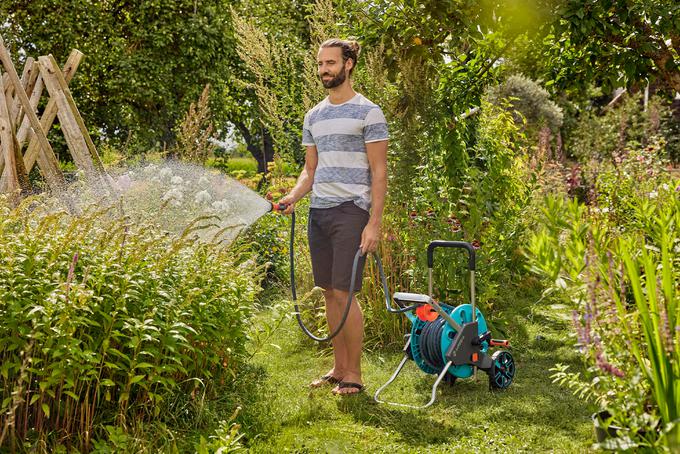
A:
(105, 321)
(616, 43)
(144, 61)
(268, 239)
(484, 204)
(236, 167)
(616, 259)
(423, 29)
(488, 194)
(227, 438)
(607, 135)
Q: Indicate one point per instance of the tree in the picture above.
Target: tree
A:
(145, 61)
(617, 43)
(275, 31)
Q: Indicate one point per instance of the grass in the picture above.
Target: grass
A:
(534, 415)
(246, 164)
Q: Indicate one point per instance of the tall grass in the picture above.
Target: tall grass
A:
(101, 320)
(655, 344)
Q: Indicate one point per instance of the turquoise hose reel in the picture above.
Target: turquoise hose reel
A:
(447, 341)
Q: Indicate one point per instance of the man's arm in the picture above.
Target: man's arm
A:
(304, 181)
(377, 161)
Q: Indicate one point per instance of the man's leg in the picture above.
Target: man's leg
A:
(350, 342)
(322, 259)
(334, 313)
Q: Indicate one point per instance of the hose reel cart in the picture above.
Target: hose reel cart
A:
(447, 341)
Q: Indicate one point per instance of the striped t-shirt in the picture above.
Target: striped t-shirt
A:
(340, 133)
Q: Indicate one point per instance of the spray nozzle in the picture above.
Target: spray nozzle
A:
(279, 206)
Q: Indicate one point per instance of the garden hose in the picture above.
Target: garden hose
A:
(355, 263)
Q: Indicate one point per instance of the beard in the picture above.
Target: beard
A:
(335, 81)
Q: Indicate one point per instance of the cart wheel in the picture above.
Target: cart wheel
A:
(502, 370)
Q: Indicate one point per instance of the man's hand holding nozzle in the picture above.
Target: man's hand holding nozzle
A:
(288, 202)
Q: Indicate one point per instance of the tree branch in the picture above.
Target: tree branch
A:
(675, 41)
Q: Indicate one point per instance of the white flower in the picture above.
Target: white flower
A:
(177, 180)
(165, 173)
(124, 182)
(664, 187)
(202, 197)
(653, 195)
(174, 194)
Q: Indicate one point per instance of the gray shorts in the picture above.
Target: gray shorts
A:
(334, 238)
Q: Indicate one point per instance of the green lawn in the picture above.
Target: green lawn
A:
(534, 415)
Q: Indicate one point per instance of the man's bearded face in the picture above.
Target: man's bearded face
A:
(332, 69)
(333, 80)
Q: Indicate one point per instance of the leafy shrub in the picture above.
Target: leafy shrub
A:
(268, 238)
(103, 320)
(483, 205)
(531, 102)
(601, 136)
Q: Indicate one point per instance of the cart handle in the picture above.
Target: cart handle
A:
(454, 244)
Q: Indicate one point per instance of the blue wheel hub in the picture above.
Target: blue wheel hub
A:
(502, 371)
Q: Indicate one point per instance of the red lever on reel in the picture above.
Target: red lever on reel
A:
(426, 313)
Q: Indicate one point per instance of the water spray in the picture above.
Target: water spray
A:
(450, 342)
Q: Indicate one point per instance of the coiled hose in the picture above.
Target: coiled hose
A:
(430, 343)
(388, 296)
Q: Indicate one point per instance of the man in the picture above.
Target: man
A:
(345, 136)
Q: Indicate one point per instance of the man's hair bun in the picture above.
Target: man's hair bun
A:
(355, 47)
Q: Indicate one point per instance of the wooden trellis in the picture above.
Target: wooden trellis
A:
(23, 135)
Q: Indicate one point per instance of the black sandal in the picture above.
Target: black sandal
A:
(325, 380)
(349, 384)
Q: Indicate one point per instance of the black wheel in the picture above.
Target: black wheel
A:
(502, 370)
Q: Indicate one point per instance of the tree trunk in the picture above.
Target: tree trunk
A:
(261, 150)
(267, 150)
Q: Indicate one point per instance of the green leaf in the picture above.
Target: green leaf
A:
(136, 378)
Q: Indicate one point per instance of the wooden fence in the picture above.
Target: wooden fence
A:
(23, 134)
